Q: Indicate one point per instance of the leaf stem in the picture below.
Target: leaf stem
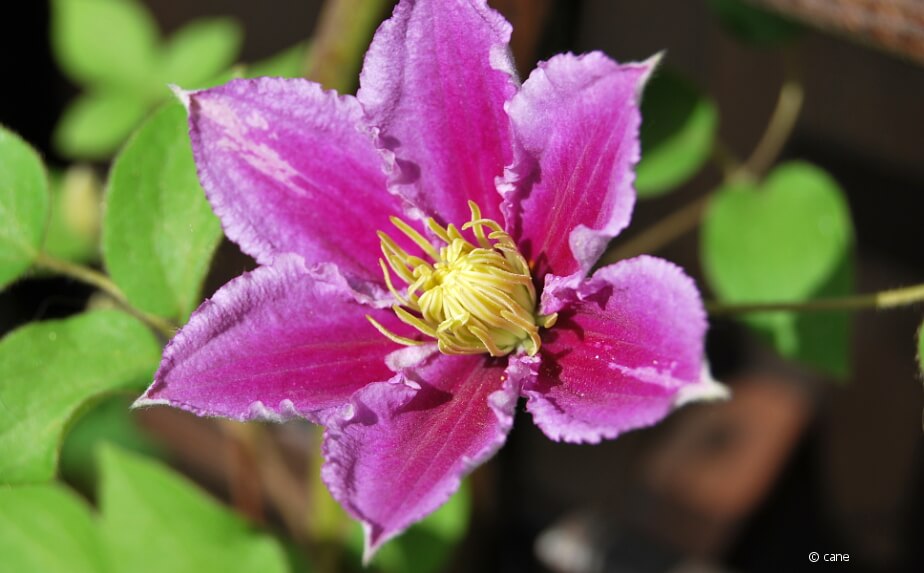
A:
(877, 300)
(105, 284)
(688, 217)
(724, 158)
(782, 122)
(662, 233)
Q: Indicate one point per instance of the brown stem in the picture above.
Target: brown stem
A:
(285, 487)
(340, 41)
(687, 218)
(243, 473)
(782, 122)
(662, 233)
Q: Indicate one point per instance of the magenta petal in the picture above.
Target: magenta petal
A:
(616, 360)
(401, 448)
(434, 83)
(289, 169)
(275, 343)
(577, 119)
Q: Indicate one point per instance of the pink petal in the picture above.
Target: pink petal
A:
(281, 341)
(289, 169)
(402, 447)
(434, 83)
(577, 119)
(620, 356)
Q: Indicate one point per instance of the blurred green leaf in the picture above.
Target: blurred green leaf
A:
(153, 520)
(105, 42)
(50, 370)
(111, 421)
(48, 529)
(73, 227)
(427, 545)
(159, 232)
(200, 51)
(113, 48)
(921, 347)
(754, 25)
(95, 124)
(678, 130)
(824, 337)
(23, 205)
(788, 241)
(289, 63)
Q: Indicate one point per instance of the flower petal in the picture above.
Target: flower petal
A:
(400, 450)
(281, 341)
(288, 169)
(617, 359)
(434, 83)
(577, 119)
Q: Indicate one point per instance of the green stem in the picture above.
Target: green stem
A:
(726, 161)
(105, 284)
(878, 300)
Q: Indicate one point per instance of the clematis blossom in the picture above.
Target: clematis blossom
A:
(425, 253)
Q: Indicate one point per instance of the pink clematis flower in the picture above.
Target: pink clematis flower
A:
(490, 201)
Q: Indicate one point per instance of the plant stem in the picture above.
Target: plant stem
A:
(105, 284)
(878, 300)
(81, 273)
(340, 40)
(284, 487)
(687, 218)
(726, 161)
(783, 120)
(243, 472)
(662, 233)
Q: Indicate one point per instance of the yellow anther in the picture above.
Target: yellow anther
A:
(472, 298)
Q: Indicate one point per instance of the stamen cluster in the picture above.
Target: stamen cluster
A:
(471, 298)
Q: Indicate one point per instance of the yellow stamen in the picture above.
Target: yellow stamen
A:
(472, 299)
(392, 336)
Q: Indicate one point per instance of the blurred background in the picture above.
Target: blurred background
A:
(798, 461)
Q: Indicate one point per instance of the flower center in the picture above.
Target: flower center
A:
(470, 298)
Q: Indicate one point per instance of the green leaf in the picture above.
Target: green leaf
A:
(289, 63)
(200, 51)
(788, 241)
(73, 228)
(95, 124)
(47, 529)
(154, 520)
(824, 337)
(105, 42)
(111, 421)
(754, 25)
(426, 546)
(159, 232)
(678, 131)
(23, 205)
(50, 370)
